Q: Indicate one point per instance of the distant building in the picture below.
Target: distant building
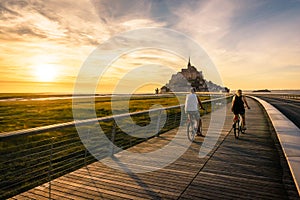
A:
(191, 77)
(164, 89)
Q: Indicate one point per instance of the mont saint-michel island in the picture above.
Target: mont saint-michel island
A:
(190, 77)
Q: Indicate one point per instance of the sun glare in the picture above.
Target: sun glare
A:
(45, 72)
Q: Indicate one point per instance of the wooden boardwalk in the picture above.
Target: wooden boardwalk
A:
(248, 168)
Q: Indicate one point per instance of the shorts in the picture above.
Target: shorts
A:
(194, 113)
(241, 112)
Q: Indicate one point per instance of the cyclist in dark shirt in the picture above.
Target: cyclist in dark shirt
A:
(238, 107)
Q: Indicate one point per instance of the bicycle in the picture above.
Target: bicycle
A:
(192, 127)
(237, 127)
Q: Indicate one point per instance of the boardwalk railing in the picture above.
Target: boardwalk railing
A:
(278, 95)
(38, 155)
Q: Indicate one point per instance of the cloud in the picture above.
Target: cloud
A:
(204, 21)
(115, 10)
(62, 21)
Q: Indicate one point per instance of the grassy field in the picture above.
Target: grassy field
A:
(17, 115)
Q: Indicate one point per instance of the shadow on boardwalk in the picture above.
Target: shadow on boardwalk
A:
(248, 168)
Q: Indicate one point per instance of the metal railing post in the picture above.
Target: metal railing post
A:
(113, 133)
(175, 119)
(50, 167)
(158, 123)
(86, 151)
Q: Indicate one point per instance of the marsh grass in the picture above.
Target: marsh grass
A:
(18, 115)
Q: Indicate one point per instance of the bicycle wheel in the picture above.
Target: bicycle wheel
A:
(191, 131)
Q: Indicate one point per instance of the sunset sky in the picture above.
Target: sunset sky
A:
(253, 44)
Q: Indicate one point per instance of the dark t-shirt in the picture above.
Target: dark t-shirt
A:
(238, 105)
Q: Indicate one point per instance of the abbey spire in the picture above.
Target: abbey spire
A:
(189, 64)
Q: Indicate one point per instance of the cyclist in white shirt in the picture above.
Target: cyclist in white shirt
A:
(192, 104)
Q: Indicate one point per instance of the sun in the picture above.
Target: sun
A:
(45, 72)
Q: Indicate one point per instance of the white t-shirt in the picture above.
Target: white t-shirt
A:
(191, 103)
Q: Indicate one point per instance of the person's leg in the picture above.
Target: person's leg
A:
(199, 126)
(188, 117)
(199, 132)
(243, 121)
(235, 118)
(192, 118)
